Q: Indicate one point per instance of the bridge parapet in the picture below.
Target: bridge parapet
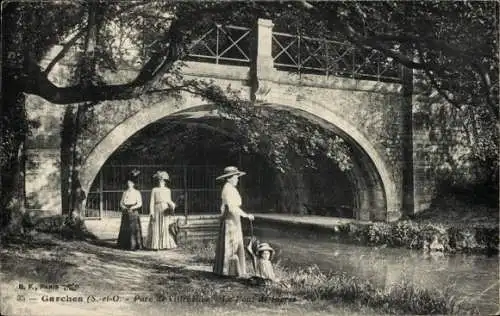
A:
(298, 53)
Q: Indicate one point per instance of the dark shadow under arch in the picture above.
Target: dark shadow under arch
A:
(371, 187)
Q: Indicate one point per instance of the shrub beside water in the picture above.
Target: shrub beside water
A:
(64, 226)
(67, 227)
(413, 234)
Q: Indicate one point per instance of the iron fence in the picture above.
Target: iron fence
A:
(226, 44)
(332, 58)
(194, 189)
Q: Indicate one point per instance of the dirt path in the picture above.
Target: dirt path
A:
(109, 281)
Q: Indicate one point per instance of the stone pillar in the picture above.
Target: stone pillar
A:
(43, 178)
(406, 132)
(363, 207)
(264, 60)
(262, 65)
(43, 152)
(424, 185)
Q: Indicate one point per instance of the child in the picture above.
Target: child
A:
(264, 266)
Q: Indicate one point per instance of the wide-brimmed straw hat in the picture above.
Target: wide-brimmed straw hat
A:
(161, 175)
(231, 171)
(265, 247)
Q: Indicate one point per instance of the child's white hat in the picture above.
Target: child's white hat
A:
(265, 247)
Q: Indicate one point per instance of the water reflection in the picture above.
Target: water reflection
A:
(473, 278)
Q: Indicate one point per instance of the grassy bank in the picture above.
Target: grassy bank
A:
(317, 287)
(94, 269)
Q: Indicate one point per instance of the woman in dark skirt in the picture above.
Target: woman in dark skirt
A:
(130, 235)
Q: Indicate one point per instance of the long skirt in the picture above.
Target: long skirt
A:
(230, 251)
(159, 235)
(130, 235)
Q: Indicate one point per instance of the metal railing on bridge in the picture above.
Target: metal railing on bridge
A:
(225, 44)
(331, 58)
(229, 44)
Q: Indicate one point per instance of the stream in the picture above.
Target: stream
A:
(472, 278)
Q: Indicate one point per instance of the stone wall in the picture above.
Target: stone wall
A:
(43, 180)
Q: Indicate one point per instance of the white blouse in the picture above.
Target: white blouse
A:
(232, 198)
(131, 197)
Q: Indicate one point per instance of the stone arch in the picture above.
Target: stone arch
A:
(375, 169)
(125, 129)
(378, 174)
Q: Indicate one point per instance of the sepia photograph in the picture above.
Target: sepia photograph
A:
(249, 158)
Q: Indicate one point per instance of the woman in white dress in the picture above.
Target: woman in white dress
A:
(161, 210)
(230, 252)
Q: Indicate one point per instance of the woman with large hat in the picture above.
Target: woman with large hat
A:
(161, 210)
(230, 252)
(130, 235)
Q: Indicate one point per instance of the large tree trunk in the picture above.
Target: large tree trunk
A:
(13, 207)
(14, 130)
(70, 157)
(66, 157)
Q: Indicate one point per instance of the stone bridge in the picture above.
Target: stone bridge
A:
(374, 116)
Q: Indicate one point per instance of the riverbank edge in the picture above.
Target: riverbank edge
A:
(477, 238)
(411, 234)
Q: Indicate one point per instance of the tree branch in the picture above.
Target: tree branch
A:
(377, 42)
(65, 49)
(163, 59)
(433, 44)
(483, 74)
(360, 40)
(434, 83)
(398, 57)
